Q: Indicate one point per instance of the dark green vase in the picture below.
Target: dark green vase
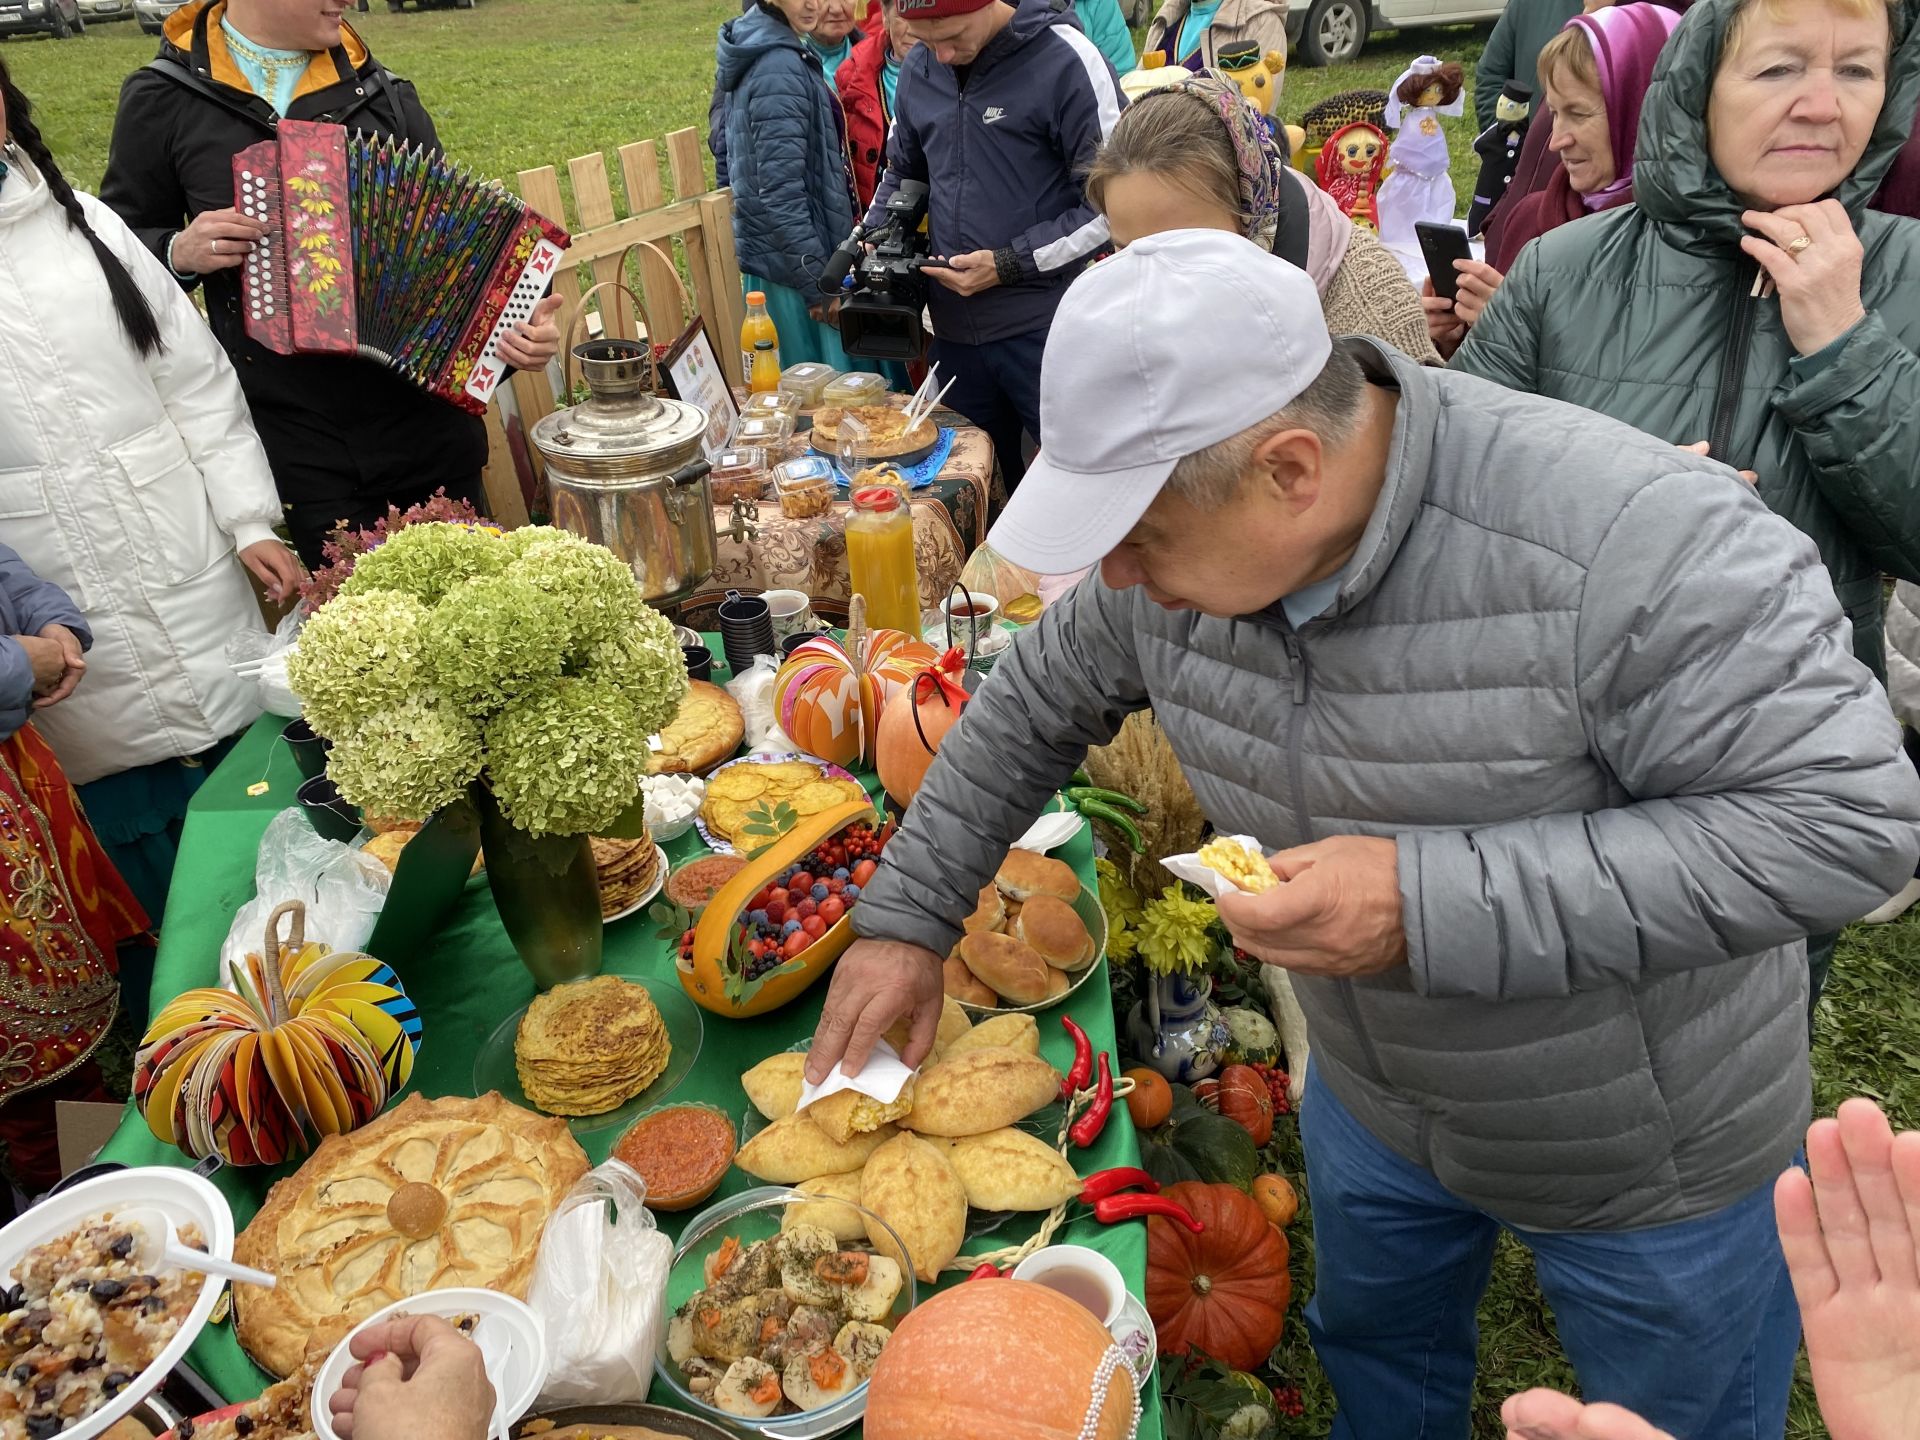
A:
(548, 893)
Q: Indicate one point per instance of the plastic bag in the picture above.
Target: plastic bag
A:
(256, 655)
(600, 1289)
(752, 690)
(988, 572)
(343, 888)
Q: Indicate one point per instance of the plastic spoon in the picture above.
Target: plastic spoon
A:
(160, 1249)
(495, 1345)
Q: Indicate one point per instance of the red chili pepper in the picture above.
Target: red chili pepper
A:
(1087, 1128)
(988, 1271)
(1112, 1182)
(1082, 1070)
(1116, 1208)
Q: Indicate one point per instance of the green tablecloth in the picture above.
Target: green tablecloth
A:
(472, 980)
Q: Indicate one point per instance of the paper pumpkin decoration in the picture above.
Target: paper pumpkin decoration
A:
(829, 705)
(310, 1043)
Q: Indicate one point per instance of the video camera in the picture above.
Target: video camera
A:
(883, 290)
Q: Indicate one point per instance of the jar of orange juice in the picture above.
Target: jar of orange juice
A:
(759, 346)
(880, 560)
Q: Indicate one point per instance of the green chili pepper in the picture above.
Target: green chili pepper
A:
(1081, 794)
(1130, 832)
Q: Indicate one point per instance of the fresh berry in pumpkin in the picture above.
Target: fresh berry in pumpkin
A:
(1151, 1100)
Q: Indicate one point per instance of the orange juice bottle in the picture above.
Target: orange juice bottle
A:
(880, 563)
(759, 346)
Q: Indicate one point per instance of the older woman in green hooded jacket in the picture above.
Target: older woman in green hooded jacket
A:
(1748, 300)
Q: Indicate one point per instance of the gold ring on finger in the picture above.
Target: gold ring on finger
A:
(1799, 244)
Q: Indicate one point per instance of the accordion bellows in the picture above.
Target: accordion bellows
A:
(390, 252)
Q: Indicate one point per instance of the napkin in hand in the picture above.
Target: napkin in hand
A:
(882, 1078)
(1189, 868)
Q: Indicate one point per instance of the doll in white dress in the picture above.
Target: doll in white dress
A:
(1420, 187)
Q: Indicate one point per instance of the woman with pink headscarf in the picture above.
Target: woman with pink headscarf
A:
(1595, 73)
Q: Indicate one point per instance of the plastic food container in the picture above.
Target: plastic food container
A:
(772, 402)
(805, 487)
(806, 381)
(761, 432)
(739, 474)
(857, 387)
(749, 1216)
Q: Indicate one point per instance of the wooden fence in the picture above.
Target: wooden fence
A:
(692, 224)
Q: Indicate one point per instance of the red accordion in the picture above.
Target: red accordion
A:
(389, 252)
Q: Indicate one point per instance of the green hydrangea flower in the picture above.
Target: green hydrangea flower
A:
(494, 637)
(644, 662)
(357, 654)
(426, 561)
(408, 760)
(566, 759)
(590, 586)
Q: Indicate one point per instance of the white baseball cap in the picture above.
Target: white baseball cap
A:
(1180, 341)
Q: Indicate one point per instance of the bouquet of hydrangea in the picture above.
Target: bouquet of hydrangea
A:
(526, 661)
(345, 544)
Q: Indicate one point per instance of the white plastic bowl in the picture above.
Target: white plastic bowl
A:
(186, 1199)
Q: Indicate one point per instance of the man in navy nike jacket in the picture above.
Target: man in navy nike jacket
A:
(1000, 110)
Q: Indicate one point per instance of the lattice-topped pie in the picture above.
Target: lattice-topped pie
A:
(434, 1194)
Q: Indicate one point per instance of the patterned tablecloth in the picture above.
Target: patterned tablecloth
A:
(949, 520)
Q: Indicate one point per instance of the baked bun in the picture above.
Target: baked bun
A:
(1024, 874)
(962, 984)
(1056, 933)
(989, 914)
(1008, 967)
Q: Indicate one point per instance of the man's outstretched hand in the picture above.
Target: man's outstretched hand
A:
(876, 983)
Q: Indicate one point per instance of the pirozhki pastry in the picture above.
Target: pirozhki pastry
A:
(1024, 874)
(1055, 932)
(1009, 967)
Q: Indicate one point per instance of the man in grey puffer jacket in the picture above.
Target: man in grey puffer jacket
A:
(1559, 738)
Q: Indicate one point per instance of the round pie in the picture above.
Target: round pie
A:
(433, 1194)
(707, 730)
(887, 432)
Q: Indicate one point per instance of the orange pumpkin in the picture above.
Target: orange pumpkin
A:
(829, 706)
(1009, 1360)
(1152, 1098)
(914, 724)
(1243, 1097)
(1224, 1291)
(1276, 1199)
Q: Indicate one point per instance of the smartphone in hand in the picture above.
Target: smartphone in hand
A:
(1441, 245)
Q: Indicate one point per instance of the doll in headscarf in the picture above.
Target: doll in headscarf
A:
(1352, 163)
(1420, 187)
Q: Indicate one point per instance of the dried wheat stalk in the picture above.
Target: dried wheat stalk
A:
(1140, 762)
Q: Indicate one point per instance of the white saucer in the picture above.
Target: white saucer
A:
(1133, 1332)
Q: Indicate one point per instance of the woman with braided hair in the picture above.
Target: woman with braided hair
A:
(132, 479)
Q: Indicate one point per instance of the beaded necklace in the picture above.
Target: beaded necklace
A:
(279, 70)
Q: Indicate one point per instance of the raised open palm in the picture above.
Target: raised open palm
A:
(1856, 1270)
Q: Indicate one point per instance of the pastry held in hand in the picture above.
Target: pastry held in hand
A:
(1225, 864)
(882, 1078)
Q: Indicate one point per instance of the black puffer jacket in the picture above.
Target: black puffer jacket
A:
(332, 426)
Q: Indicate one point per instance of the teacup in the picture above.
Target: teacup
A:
(792, 612)
(971, 605)
(1084, 1276)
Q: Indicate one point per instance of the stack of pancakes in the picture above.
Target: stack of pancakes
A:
(585, 1048)
(627, 870)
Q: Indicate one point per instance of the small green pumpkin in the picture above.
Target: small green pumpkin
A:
(1196, 1144)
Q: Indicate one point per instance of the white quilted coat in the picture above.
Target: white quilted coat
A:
(130, 483)
(1903, 653)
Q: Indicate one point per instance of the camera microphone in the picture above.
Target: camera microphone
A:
(841, 262)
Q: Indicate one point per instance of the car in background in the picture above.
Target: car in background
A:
(107, 9)
(152, 14)
(58, 18)
(1321, 32)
